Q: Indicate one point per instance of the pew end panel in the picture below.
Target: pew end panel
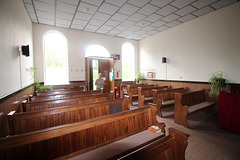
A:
(10, 122)
(154, 110)
(180, 143)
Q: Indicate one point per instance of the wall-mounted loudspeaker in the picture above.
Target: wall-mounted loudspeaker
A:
(164, 59)
(25, 50)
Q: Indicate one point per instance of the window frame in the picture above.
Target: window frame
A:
(45, 58)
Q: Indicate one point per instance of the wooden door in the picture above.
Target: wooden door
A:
(106, 66)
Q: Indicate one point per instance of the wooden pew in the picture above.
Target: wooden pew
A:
(124, 88)
(59, 91)
(145, 94)
(36, 120)
(188, 103)
(72, 139)
(34, 106)
(165, 98)
(63, 95)
(132, 91)
(123, 85)
(171, 147)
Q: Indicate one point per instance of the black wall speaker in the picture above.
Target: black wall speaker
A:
(164, 59)
(25, 50)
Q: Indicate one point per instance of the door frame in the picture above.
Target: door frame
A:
(88, 62)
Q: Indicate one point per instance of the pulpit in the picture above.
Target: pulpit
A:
(229, 111)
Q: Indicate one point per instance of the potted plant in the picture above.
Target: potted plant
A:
(139, 77)
(38, 86)
(217, 82)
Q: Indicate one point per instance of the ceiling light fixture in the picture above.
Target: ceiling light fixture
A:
(86, 9)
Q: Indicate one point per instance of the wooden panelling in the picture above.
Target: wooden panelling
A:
(12, 103)
(192, 86)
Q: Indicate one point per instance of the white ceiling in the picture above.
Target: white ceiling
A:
(131, 19)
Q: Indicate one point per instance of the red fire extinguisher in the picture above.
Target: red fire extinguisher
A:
(116, 92)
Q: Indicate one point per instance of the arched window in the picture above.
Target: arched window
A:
(55, 58)
(97, 51)
(128, 62)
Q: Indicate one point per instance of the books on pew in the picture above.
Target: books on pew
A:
(154, 129)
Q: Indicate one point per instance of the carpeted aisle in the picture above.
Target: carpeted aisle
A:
(207, 141)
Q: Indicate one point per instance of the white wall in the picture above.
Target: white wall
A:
(196, 48)
(78, 42)
(15, 30)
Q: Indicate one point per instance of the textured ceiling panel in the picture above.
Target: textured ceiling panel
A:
(132, 19)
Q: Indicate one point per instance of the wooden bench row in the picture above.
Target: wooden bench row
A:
(36, 120)
(145, 94)
(124, 88)
(60, 91)
(164, 98)
(75, 138)
(63, 95)
(34, 106)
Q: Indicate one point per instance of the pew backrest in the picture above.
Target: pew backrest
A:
(34, 106)
(169, 94)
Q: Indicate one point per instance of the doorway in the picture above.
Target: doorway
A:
(103, 65)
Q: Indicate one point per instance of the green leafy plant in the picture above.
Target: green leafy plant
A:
(44, 88)
(139, 77)
(216, 81)
(38, 86)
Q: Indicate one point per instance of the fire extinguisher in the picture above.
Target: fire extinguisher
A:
(116, 92)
